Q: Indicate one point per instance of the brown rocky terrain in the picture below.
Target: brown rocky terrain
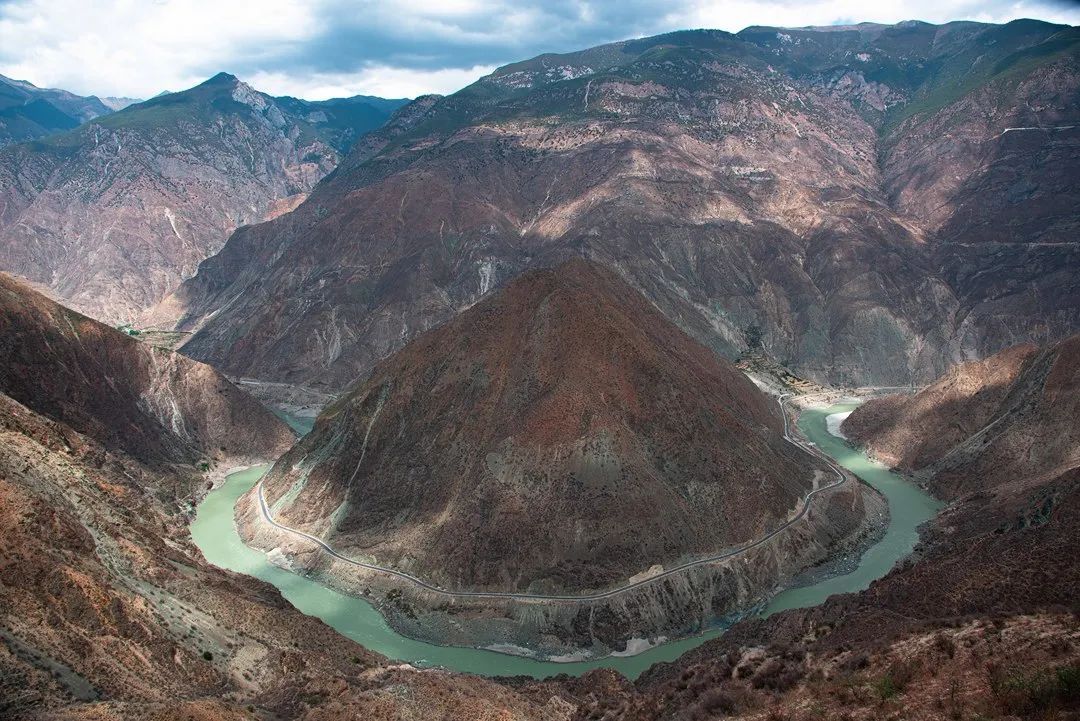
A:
(152, 404)
(113, 215)
(108, 612)
(980, 623)
(850, 197)
(107, 609)
(984, 424)
(561, 436)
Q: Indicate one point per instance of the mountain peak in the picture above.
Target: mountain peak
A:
(222, 78)
(566, 370)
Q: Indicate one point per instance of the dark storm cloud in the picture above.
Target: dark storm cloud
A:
(355, 36)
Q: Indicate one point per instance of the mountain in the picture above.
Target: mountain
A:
(979, 623)
(984, 424)
(107, 608)
(156, 406)
(560, 436)
(28, 112)
(113, 215)
(871, 204)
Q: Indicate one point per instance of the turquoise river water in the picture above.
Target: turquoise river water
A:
(214, 531)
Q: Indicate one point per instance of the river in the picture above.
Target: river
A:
(214, 531)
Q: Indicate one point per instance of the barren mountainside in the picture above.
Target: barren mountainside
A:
(109, 611)
(560, 435)
(985, 423)
(154, 405)
(874, 203)
(113, 215)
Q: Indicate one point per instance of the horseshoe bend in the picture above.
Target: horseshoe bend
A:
(560, 439)
(603, 370)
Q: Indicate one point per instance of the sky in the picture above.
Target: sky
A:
(318, 49)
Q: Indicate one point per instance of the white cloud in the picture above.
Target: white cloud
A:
(381, 80)
(317, 48)
(130, 47)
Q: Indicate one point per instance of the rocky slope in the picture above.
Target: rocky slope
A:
(28, 112)
(169, 412)
(980, 623)
(113, 215)
(984, 424)
(772, 184)
(108, 611)
(561, 436)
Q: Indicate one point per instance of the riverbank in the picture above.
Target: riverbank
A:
(835, 519)
(355, 617)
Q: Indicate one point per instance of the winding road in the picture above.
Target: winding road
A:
(536, 597)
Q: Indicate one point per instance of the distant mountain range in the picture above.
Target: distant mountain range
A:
(870, 203)
(112, 215)
(28, 112)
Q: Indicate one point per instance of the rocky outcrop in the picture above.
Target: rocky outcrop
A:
(559, 438)
(113, 215)
(151, 404)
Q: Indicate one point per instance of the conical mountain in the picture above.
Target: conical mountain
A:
(561, 434)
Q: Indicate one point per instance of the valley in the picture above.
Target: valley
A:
(624, 373)
(354, 617)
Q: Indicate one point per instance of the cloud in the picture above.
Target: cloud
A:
(312, 48)
(382, 80)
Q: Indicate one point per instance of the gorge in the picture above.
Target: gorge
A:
(690, 376)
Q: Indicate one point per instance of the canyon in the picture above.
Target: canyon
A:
(558, 439)
(562, 335)
(767, 187)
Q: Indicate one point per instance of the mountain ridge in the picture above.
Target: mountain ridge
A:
(112, 215)
(735, 184)
(559, 439)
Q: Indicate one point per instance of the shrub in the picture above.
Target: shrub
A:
(945, 645)
(885, 687)
(716, 700)
(208, 656)
(895, 680)
(1035, 693)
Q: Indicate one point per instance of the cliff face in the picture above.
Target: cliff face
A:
(114, 214)
(771, 184)
(151, 404)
